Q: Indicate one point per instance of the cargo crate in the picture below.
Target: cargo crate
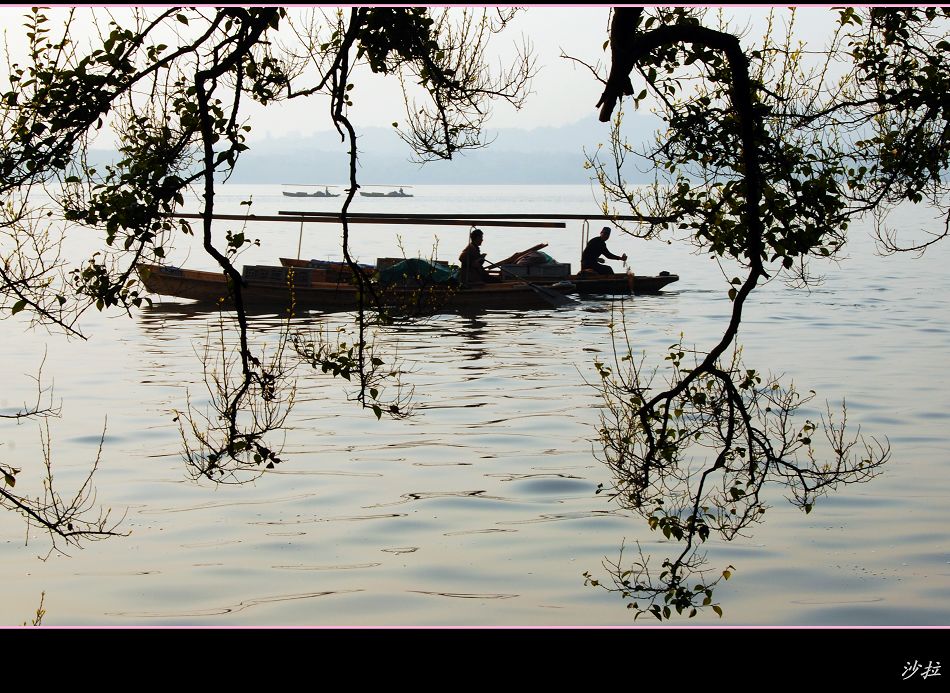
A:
(387, 262)
(551, 270)
(277, 275)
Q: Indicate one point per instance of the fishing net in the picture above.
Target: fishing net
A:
(417, 272)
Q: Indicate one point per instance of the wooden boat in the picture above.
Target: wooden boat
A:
(280, 289)
(331, 286)
(626, 283)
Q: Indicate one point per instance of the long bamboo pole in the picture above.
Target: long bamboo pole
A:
(374, 215)
(355, 219)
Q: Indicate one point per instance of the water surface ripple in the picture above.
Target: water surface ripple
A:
(482, 508)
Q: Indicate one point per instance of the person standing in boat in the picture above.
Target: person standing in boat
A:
(472, 260)
(590, 258)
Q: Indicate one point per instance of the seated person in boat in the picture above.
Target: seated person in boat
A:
(472, 261)
(591, 260)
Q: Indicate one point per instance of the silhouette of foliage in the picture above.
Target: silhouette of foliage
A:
(173, 84)
(769, 151)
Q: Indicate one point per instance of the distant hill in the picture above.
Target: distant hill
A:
(552, 155)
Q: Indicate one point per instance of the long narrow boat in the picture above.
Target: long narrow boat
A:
(281, 288)
(329, 286)
(625, 283)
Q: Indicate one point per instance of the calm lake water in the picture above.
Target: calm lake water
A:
(482, 508)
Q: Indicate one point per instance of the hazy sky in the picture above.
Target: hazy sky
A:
(563, 92)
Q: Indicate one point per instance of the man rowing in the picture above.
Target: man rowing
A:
(597, 246)
(472, 261)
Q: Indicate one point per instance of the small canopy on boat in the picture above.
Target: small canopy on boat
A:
(417, 271)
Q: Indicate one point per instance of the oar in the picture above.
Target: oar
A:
(553, 297)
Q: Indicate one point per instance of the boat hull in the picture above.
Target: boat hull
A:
(623, 283)
(281, 297)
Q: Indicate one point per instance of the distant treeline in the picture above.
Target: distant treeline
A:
(538, 156)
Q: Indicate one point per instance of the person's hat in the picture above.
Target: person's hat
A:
(606, 228)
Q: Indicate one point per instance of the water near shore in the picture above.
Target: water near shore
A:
(481, 508)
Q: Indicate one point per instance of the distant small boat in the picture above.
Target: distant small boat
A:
(318, 193)
(394, 193)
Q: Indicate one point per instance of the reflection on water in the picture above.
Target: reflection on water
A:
(467, 596)
(482, 508)
(696, 451)
(220, 611)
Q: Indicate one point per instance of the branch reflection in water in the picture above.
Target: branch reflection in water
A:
(698, 457)
(74, 519)
(231, 441)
